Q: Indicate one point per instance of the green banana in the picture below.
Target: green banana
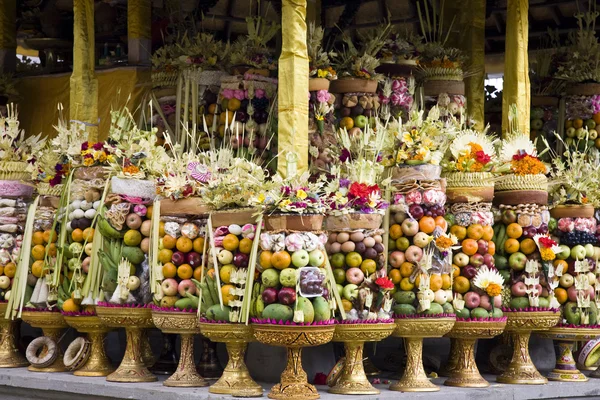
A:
(206, 297)
(501, 240)
(193, 299)
(260, 306)
(184, 304)
(212, 289)
(108, 231)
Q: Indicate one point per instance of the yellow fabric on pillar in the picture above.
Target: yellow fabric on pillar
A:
(84, 85)
(8, 24)
(293, 86)
(139, 16)
(516, 65)
(475, 49)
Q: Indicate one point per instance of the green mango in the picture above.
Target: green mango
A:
(321, 307)
(479, 312)
(214, 313)
(519, 302)
(404, 309)
(278, 312)
(404, 297)
(307, 308)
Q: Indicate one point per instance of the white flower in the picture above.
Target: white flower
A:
(462, 143)
(515, 144)
(485, 277)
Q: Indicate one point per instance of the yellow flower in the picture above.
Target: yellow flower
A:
(88, 161)
(284, 203)
(322, 73)
(301, 194)
(547, 254)
(110, 158)
(261, 198)
(407, 138)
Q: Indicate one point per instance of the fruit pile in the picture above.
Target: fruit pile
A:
(582, 116)
(323, 139)
(415, 217)
(181, 249)
(13, 213)
(358, 262)
(231, 251)
(358, 110)
(292, 286)
(515, 237)
(449, 105)
(472, 226)
(544, 122)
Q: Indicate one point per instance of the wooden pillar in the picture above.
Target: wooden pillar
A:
(84, 85)
(516, 88)
(8, 35)
(474, 45)
(139, 22)
(293, 87)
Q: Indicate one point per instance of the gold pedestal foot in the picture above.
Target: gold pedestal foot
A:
(98, 363)
(414, 378)
(294, 382)
(147, 354)
(236, 379)
(10, 357)
(465, 372)
(521, 370)
(58, 365)
(132, 368)
(186, 375)
(353, 379)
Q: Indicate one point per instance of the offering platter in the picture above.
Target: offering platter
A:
(520, 324)
(352, 379)
(462, 369)
(294, 383)
(53, 325)
(134, 320)
(413, 331)
(185, 324)
(9, 354)
(236, 380)
(565, 337)
(98, 363)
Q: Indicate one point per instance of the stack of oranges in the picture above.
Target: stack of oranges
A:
(43, 242)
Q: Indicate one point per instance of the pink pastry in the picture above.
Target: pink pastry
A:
(414, 197)
(566, 225)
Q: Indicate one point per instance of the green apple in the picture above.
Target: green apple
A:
(339, 275)
(338, 260)
(300, 258)
(590, 124)
(578, 252)
(564, 253)
(316, 258)
(517, 261)
(350, 291)
(402, 243)
(360, 121)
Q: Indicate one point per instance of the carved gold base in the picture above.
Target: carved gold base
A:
(10, 357)
(186, 325)
(53, 326)
(98, 363)
(236, 379)
(353, 379)
(414, 330)
(521, 369)
(566, 369)
(462, 369)
(294, 383)
(134, 320)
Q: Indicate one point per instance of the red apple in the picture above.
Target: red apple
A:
(397, 258)
(269, 295)
(240, 260)
(519, 289)
(482, 246)
(410, 227)
(287, 296)
(416, 211)
(472, 300)
(178, 258)
(476, 260)
(469, 271)
(194, 259)
(488, 260)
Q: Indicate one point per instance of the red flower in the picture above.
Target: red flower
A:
(98, 146)
(547, 242)
(359, 190)
(384, 283)
(84, 146)
(482, 158)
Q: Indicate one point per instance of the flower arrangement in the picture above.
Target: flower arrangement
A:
(399, 47)
(14, 146)
(98, 153)
(547, 246)
(252, 50)
(518, 156)
(319, 59)
(203, 51)
(295, 195)
(396, 97)
(471, 151)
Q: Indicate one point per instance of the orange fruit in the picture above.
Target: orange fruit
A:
(149, 211)
(511, 246)
(491, 247)
(563, 264)
(347, 304)
(395, 231)
(227, 297)
(461, 285)
(406, 269)
(281, 259)
(38, 252)
(1, 270)
(198, 273)
(77, 235)
(185, 271)
(225, 273)
(347, 122)
(441, 222)
(446, 282)
(212, 108)
(169, 270)
(528, 246)
(245, 245)
(70, 306)
(88, 235)
(577, 123)
(231, 242)
(475, 231)
(161, 228)
(10, 269)
(264, 260)
(51, 248)
(459, 231)
(406, 285)
(37, 268)
(435, 282)
(198, 245)
(226, 118)
(233, 104)
(568, 123)
(596, 118)
(455, 270)
(561, 295)
(38, 237)
(514, 231)
(395, 276)
(169, 242)
(469, 246)
(50, 236)
(427, 225)
(488, 233)
(165, 255)
(184, 244)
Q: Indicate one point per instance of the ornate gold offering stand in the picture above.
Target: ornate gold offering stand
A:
(184, 324)
(294, 383)
(96, 330)
(236, 380)
(53, 325)
(413, 331)
(10, 357)
(133, 367)
(520, 324)
(565, 369)
(352, 378)
(461, 367)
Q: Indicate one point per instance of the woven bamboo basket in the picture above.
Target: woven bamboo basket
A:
(44, 189)
(187, 206)
(14, 171)
(572, 211)
(584, 89)
(353, 221)
(469, 187)
(353, 85)
(521, 182)
(239, 216)
(315, 84)
(427, 172)
(434, 87)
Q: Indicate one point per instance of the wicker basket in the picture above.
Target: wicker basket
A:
(435, 87)
(516, 197)
(572, 211)
(142, 188)
(469, 187)
(427, 172)
(315, 84)
(14, 171)
(353, 221)
(353, 85)
(163, 78)
(521, 182)
(44, 189)
(293, 222)
(188, 206)
(239, 216)
(584, 89)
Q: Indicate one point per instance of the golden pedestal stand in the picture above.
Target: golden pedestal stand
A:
(134, 320)
(98, 363)
(294, 383)
(10, 357)
(53, 325)
(461, 367)
(184, 324)
(565, 369)
(413, 331)
(520, 324)
(236, 380)
(353, 379)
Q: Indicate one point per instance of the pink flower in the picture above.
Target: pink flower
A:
(399, 85)
(259, 93)
(396, 98)
(383, 99)
(239, 94)
(227, 93)
(323, 96)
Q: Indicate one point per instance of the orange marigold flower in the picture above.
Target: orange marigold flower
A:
(493, 290)
(528, 166)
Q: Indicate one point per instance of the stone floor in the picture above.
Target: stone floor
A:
(21, 384)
